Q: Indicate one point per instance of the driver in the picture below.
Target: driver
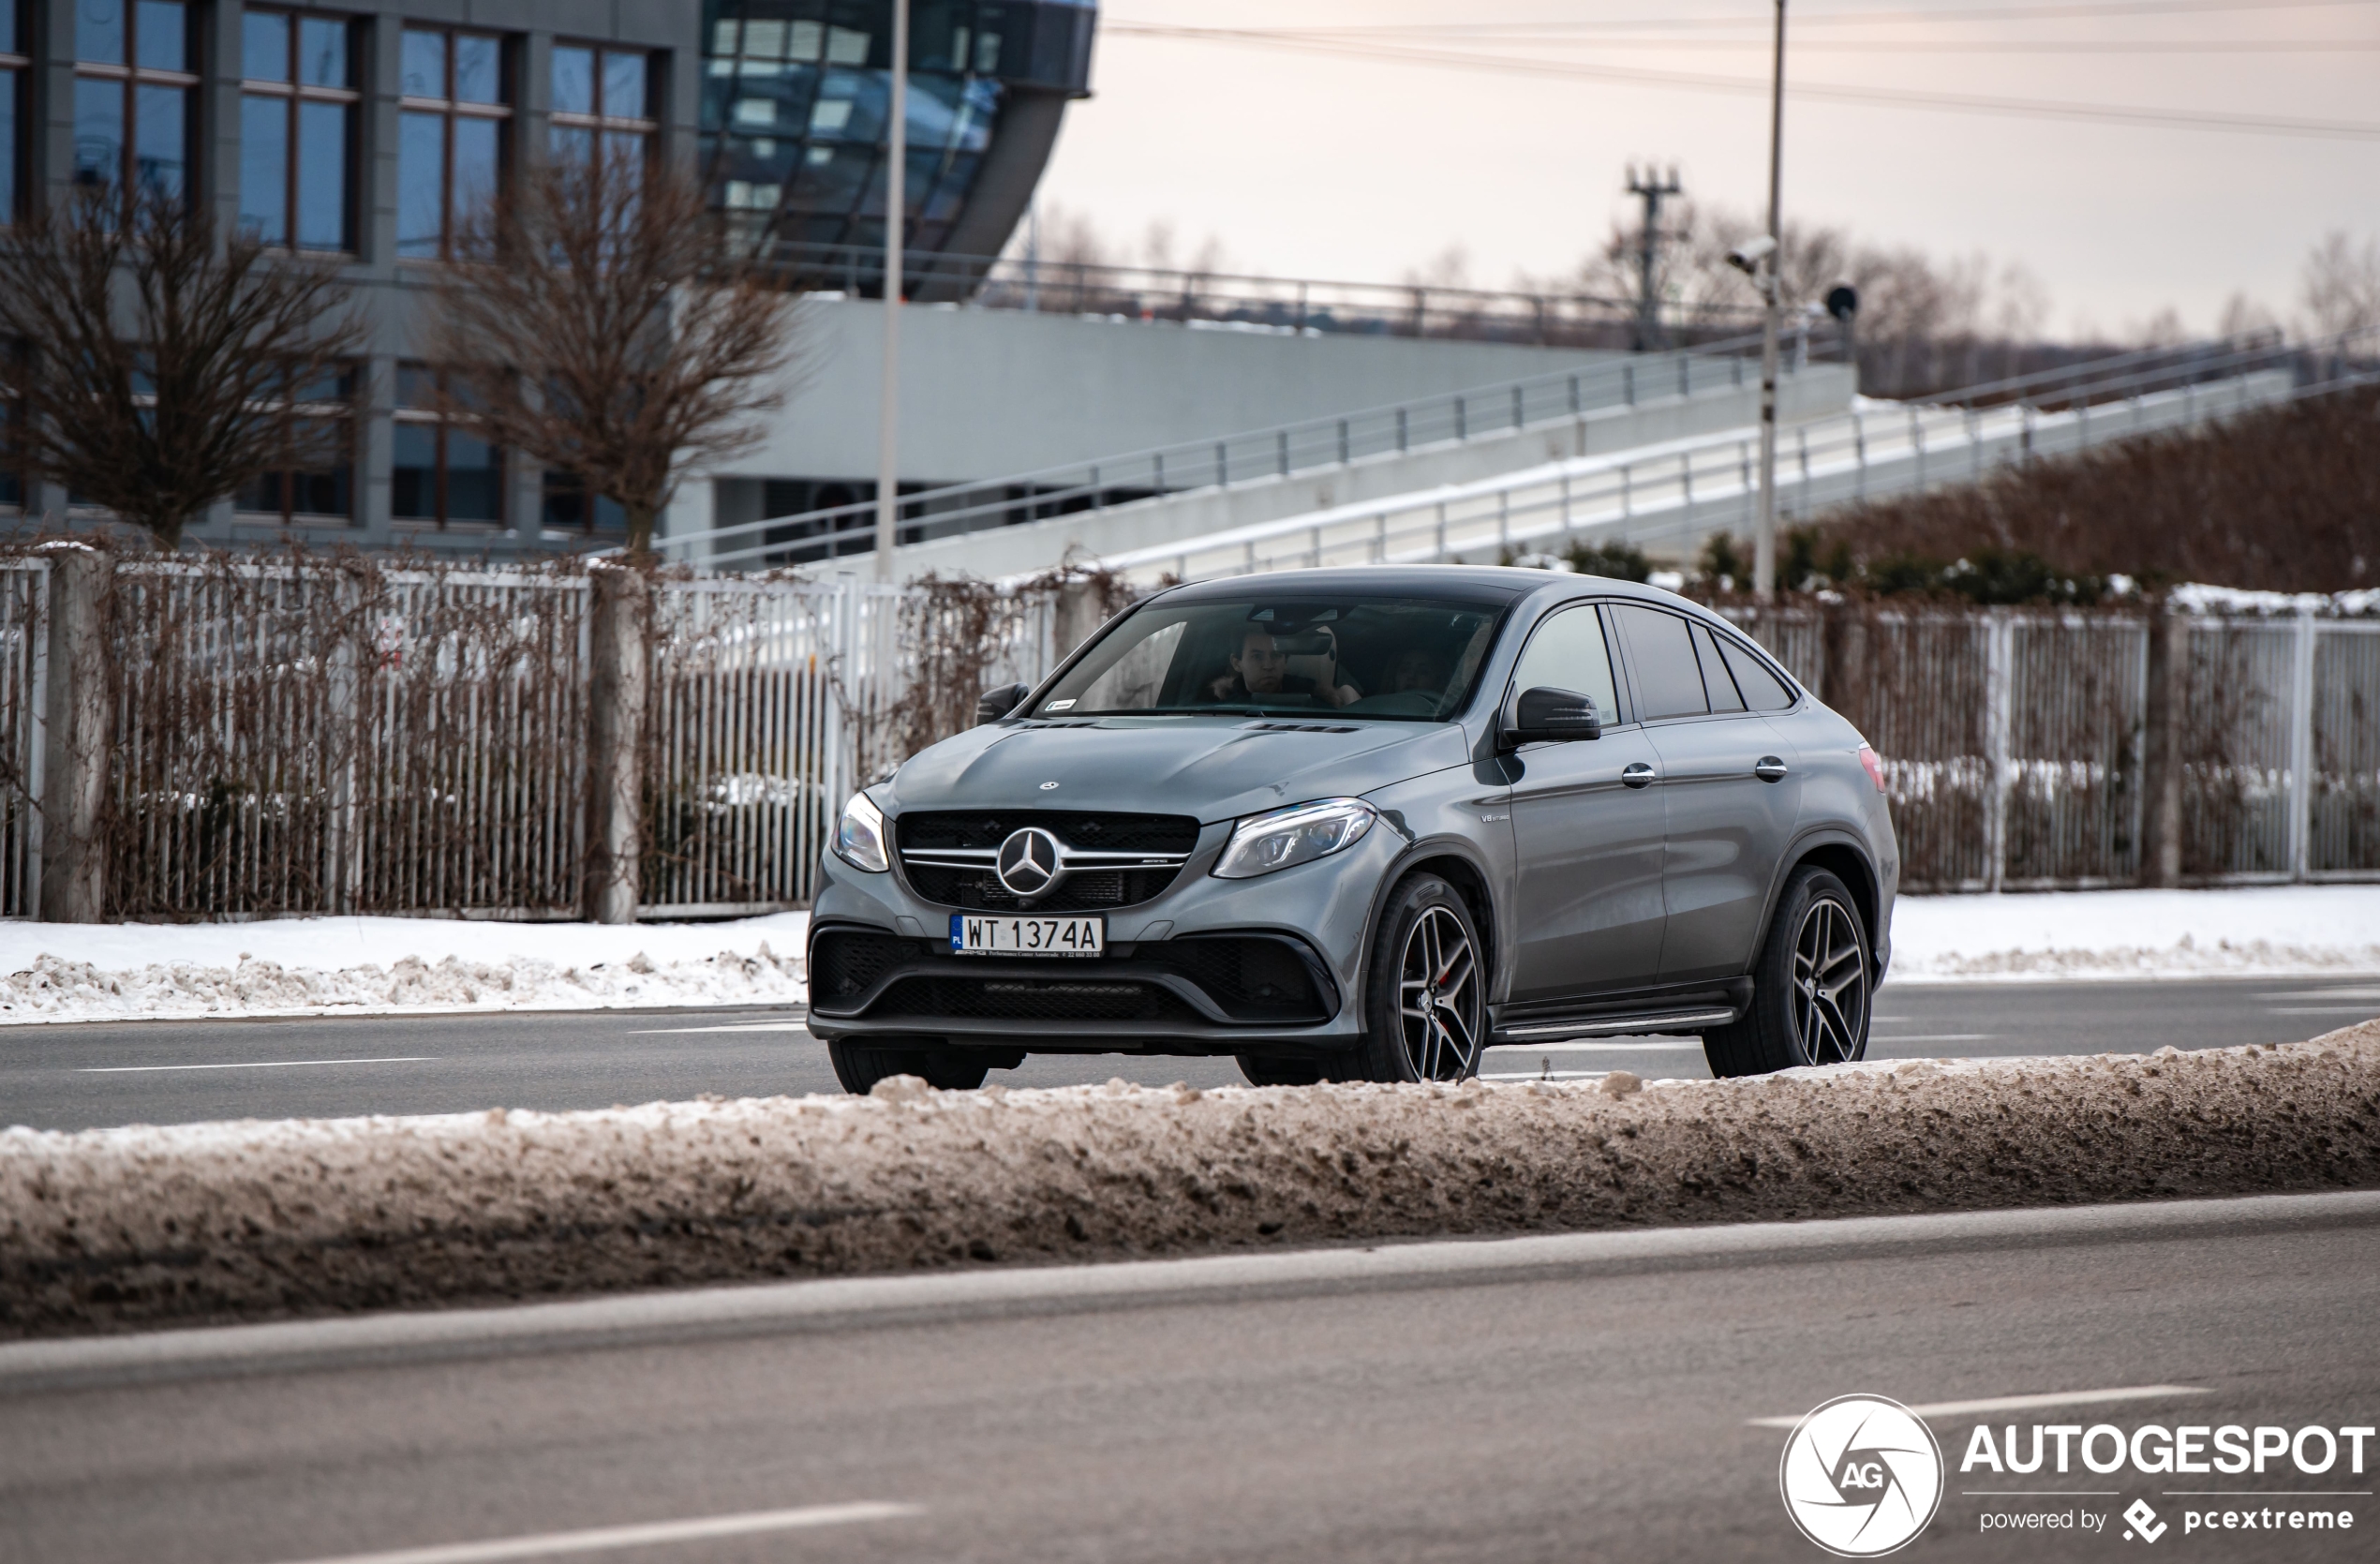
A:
(1260, 668)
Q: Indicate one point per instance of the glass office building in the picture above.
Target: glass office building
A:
(370, 132)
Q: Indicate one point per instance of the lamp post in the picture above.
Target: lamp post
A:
(888, 411)
(1764, 542)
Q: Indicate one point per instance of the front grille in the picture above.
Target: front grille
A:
(977, 888)
(845, 964)
(1092, 830)
(1033, 999)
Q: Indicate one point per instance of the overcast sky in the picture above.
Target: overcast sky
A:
(1338, 167)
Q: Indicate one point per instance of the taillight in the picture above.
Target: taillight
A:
(1875, 766)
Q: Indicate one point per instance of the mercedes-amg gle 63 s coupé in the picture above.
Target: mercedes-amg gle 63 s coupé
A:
(1359, 825)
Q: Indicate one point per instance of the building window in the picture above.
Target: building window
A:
(796, 134)
(601, 97)
(13, 66)
(297, 128)
(442, 474)
(133, 88)
(321, 485)
(569, 508)
(450, 136)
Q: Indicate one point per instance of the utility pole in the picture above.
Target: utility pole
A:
(1764, 543)
(888, 412)
(1650, 187)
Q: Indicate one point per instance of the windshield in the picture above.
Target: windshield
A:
(1406, 659)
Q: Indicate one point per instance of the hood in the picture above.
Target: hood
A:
(1214, 767)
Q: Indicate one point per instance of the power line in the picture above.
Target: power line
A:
(1822, 19)
(2185, 119)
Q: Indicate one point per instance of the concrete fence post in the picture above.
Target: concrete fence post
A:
(1078, 615)
(74, 762)
(2000, 677)
(621, 635)
(2163, 713)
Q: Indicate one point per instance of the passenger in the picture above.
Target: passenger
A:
(1418, 668)
(1261, 671)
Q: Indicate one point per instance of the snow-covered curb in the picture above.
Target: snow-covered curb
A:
(61, 971)
(2246, 932)
(123, 1228)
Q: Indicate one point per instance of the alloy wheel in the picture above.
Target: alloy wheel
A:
(1438, 993)
(1830, 985)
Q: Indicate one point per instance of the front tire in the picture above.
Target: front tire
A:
(860, 1066)
(1811, 988)
(1425, 988)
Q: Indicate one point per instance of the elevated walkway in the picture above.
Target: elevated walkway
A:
(1030, 520)
(1667, 497)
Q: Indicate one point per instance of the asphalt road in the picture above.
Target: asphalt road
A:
(1556, 1412)
(169, 1072)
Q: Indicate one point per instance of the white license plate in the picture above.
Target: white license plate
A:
(1027, 937)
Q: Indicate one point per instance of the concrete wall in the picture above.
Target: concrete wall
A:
(989, 392)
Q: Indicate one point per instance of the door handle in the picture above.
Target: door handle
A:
(1637, 774)
(1769, 769)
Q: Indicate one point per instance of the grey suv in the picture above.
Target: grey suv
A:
(1359, 825)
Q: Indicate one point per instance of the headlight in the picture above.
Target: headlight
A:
(1264, 842)
(859, 841)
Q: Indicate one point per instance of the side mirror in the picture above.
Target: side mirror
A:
(998, 701)
(1558, 716)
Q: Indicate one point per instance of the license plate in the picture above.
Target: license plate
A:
(1027, 937)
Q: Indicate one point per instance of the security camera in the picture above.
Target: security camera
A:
(1748, 256)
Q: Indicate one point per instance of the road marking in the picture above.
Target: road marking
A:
(256, 1065)
(1691, 1046)
(1545, 1074)
(604, 1538)
(1933, 1037)
(761, 1026)
(2038, 1492)
(2318, 1010)
(2323, 993)
(2268, 1493)
(2023, 1403)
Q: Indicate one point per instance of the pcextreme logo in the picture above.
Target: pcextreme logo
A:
(1862, 1475)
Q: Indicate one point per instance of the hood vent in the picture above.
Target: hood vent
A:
(1296, 727)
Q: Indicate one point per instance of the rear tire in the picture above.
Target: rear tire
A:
(1425, 988)
(1811, 988)
(860, 1066)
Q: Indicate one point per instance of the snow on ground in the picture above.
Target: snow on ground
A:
(145, 1226)
(2246, 932)
(60, 971)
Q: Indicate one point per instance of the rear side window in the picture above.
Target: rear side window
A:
(1716, 681)
(1661, 660)
(1763, 689)
(1568, 652)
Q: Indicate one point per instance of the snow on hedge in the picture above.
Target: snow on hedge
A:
(2268, 931)
(121, 1228)
(56, 972)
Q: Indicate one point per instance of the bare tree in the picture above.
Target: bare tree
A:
(2341, 284)
(159, 367)
(594, 322)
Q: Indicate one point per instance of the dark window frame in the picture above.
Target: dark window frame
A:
(296, 92)
(601, 123)
(132, 76)
(440, 425)
(452, 108)
(15, 65)
(345, 413)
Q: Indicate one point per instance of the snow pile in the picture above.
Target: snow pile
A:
(311, 966)
(2197, 597)
(122, 1227)
(2258, 931)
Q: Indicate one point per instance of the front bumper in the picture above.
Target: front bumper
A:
(1207, 966)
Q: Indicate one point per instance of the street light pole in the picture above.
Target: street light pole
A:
(1764, 543)
(888, 411)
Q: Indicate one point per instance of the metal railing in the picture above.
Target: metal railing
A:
(1681, 490)
(1280, 451)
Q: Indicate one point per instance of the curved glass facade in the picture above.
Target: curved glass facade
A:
(794, 112)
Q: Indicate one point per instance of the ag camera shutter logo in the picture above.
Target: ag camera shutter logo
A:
(1862, 1475)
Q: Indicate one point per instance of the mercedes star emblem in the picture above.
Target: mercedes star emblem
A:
(1028, 861)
